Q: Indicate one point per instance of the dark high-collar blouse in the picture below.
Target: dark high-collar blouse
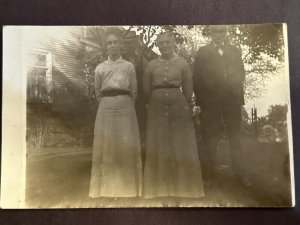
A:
(175, 72)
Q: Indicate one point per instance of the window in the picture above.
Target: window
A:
(39, 77)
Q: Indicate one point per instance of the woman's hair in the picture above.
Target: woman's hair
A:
(113, 31)
(170, 34)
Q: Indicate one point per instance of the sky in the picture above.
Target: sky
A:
(276, 92)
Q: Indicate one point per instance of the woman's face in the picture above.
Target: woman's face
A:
(166, 44)
(113, 45)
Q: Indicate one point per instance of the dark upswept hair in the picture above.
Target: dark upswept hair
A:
(168, 33)
(113, 31)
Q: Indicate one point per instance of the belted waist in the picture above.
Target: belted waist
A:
(114, 93)
(165, 87)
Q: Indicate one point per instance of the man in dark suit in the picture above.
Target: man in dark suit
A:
(218, 86)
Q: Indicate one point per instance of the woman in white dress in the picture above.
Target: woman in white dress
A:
(116, 166)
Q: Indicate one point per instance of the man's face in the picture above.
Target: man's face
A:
(166, 44)
(113, 45)
(218, 36)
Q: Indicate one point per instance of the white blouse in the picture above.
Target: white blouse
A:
(115, 75)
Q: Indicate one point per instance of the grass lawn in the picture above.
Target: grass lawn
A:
(60, 178)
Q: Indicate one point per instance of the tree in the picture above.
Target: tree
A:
(273, 126)
(277, 114)
(261, 46)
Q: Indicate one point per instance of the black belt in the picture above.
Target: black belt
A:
(165, 87)
(114, 93)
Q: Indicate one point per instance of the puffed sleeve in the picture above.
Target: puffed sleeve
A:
(187, 82)
(133, 83)
(98, 85)
(147, 80)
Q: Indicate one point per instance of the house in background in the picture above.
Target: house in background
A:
(58, 110)
(60, 63)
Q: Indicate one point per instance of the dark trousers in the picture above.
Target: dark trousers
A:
(215, 117)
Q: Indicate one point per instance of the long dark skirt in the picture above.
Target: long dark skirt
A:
(172, 166)
(116, 166)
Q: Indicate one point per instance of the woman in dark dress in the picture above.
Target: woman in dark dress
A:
(172, 166)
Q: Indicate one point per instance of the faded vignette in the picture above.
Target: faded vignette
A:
(46, 164)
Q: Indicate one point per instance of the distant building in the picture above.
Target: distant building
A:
(59, 88)
(57, 101)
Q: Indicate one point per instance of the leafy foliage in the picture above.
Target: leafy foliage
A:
(274, 124)
(261, 46)
(277, 114)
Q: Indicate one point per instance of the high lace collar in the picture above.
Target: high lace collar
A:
(119, 60)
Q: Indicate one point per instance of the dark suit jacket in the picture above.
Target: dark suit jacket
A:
(214, 74)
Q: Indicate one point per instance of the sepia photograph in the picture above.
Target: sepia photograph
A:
(146, 116)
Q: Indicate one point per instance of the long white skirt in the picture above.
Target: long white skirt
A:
(117, 165)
